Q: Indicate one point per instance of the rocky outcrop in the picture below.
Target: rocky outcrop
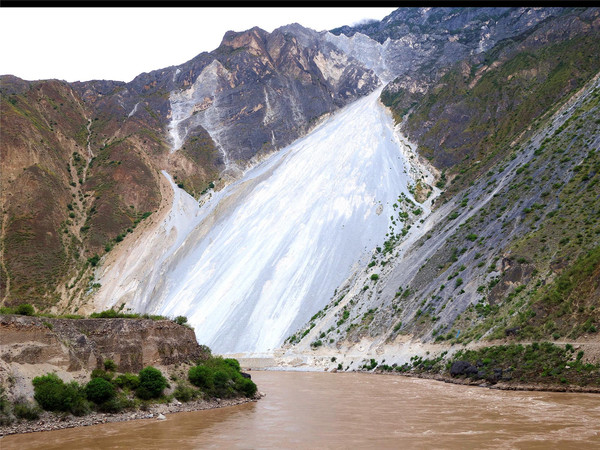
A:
(414, 46)
(263, 90)
(33, 346)
(255, 93)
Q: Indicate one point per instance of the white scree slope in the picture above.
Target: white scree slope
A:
(264, 254)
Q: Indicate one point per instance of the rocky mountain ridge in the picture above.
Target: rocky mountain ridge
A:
(81, 161)
(413, 47)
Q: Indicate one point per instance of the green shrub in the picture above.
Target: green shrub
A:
(107, 314)
(23, 409)
(49, 392)
(202, 377)
(115, 405)
(25, 310)
(110, 365)
(6, 418)
(98, 390)
(180, 320)
(221, 377)
(52, 394)
(94, 260)
(101, 373)
(246, 386)
(152, 383)
(234, 363)
(127, 381)
(184, 393)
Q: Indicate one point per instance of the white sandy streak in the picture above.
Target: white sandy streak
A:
(267, 252)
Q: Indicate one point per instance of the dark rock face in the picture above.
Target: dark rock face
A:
(262, 91)
(255, 93)
(514, 331)
(462, 368)
(480, 371)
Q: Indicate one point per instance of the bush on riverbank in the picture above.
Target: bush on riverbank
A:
(53, 394)
(218, 377)
(104, 392)
(109, 392)
(538, 362)
(99, 390)
(544, 363)
(152, 383)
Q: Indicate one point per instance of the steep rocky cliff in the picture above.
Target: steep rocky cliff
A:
(33, 346)
(413, 47)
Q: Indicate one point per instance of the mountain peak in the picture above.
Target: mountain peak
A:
(252, 38)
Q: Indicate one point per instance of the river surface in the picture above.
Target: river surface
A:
(352, 410)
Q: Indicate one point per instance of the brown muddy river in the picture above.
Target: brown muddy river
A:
(350, 410)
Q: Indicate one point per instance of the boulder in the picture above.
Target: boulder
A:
(462, 368)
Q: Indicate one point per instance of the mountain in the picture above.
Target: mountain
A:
(81, 161)
(258, 258)
(511, 249)
(428, 179)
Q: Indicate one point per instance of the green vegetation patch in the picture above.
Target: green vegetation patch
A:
(219, 377)
(544, 362)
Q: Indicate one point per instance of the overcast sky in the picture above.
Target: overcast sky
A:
(120, 43)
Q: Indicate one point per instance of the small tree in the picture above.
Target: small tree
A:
(98, 390)
(152, 383)
(181, 320)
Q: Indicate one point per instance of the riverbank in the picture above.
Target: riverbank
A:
(503, 386)
(504, 365)
(51, 421)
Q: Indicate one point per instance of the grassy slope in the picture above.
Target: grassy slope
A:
(41, 127)
(57, 212)
(480, 106)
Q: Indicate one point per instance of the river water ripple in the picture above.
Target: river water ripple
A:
(352, 410)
